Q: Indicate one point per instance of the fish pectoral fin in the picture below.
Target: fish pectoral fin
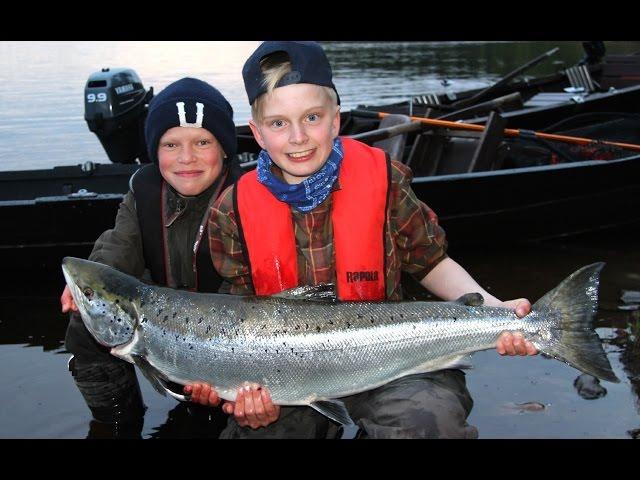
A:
(323, 292)
(177, 396)
(471, 299)
(157, 379)
(334, 409)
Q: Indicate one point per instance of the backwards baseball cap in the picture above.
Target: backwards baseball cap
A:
(190, 102)
(309, 64)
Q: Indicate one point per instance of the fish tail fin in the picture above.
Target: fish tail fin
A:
(571, 307)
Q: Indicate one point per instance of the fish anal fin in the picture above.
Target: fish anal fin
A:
(333, 409)
(456, 361)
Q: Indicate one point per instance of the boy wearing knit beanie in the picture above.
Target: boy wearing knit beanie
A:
(321, 208)
(158, 232)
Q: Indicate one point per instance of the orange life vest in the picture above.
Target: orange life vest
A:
(358, 217)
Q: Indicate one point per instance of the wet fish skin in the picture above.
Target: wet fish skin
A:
(309, 351)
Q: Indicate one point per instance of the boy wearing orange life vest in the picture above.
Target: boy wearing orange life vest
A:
(320, 208)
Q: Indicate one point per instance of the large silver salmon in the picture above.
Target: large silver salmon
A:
(309, 349)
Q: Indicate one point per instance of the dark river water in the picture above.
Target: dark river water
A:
(42, 125)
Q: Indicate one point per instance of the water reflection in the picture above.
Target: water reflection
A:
(42, 83)
(189, 420)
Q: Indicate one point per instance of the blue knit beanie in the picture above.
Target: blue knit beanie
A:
(190, 102)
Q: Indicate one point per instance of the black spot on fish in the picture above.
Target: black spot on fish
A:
(241, 320)
(277, 370)
(391, 317)
(371, 320)
(265, 350)
(119, 319)
(277, 350)
(186, 320)
(175, 314)
(414, 327)
(142, 304)
(401, 316)
(307, 326)
(292, 350)
(159, 312)
(144, 319)
(166, 318)
(455, 319)
(348, 325)
(184, 339)
(318, 328)
(177, 337)
(117, 300)
(296, 327)
(233, 349)
(110, 321)
(200, 320)
(330, 322)
(190, 347)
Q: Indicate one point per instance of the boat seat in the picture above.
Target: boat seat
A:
(394, 146)
(547, 99)
(580, 77)
(466, 155)
(426, 99)
(457, 157)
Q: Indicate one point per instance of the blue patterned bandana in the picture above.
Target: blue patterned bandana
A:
(310, 193)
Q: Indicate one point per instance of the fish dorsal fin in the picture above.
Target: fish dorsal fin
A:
(157, 379)
(323, 292)
(471, 299)
(334, 409)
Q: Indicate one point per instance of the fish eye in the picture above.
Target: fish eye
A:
(88, 293)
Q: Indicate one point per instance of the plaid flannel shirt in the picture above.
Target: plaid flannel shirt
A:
(414, 242)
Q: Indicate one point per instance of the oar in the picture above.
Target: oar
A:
(384, 133)
(508, 132)
(504, 80)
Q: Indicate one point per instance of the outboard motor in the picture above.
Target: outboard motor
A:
(115, 107)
